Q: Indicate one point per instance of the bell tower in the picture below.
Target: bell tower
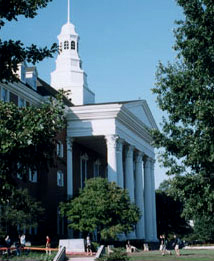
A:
(69, 74)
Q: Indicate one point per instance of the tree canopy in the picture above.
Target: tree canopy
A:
(169, 213)
(27, 140)
(21, 210)
(185, 91)
(27, 135)
(13, 52)
(101, 206)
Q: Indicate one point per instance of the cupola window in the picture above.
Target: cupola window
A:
(72, 45)
(66, 45)
(60, 46)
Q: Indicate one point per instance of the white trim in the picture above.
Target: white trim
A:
(60, 178)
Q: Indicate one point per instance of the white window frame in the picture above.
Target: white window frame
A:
(33, 177)
(59, 149)
(66, 45)
(83, 177)
(60, 178)
(6, 97)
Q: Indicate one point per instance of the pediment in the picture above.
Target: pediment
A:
(141, 111)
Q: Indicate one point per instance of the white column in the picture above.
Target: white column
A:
(140, 229)
(111, 142)
(129, 179)
(129, 173)
(69, 167)
(120, 175)
(154, 223)
(148, 200)
(70, 175)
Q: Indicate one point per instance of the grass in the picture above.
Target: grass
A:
(32, 256)
(190, 255)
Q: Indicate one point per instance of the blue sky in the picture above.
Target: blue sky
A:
(121, 42)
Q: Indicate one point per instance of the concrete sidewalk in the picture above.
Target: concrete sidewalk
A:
(83, 258)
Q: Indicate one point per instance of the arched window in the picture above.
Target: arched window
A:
(66, 45)
(72, 45)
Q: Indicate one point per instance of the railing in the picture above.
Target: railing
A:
(60, 256)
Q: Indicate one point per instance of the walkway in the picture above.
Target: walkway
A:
(87, 258)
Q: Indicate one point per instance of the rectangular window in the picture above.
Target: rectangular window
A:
(60, 179)
(59, 149)
(4, 94)
(32, 176)
(13, 98)
(21, 103)
(18, 174)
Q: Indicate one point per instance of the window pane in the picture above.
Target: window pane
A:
(66, 45)
(72, 45)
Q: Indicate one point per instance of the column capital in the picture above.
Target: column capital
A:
(120, 143)
(70, 140)
(111, 140)
(139, 156)
(129, 151)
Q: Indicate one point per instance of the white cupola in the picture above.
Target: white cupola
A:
(68, 74)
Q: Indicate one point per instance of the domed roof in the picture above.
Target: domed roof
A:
(68, 28)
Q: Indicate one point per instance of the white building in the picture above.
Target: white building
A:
(117, 132)
(111, 140)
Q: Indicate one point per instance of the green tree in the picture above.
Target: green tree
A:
(21, 210)
(27, 140)
(27, 135)
(203, 229)
(101, 206)
(14, 52)
(185, 91)
(169, 212)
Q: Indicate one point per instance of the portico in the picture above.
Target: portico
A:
(119, 132)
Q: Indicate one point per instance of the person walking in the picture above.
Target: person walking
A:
(48, 245)
(88, 246)
(164, 246)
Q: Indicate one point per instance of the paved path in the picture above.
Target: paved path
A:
(82, 258)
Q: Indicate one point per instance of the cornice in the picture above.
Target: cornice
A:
(95, 112)
(116, 112)
(20, 89)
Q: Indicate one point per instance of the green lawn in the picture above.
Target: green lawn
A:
(32, 256)
(191, 255)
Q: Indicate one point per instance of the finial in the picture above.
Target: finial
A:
(68, 11)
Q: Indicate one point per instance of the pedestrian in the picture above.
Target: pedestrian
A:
(164, 246)
(161, 244)
(8, 243)
(22, 240)
(88, 245)
(48, 245)
(176, 244)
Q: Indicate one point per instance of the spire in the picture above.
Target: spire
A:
(68, 11)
